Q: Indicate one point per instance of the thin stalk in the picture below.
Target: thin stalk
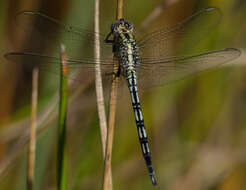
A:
(99, 87)
(107, 182)
(98, 81)
(61, 154)
(119, 10)
(33, 124)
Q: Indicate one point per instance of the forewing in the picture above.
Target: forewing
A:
(162, 43)
(41, 47)
(44, 34)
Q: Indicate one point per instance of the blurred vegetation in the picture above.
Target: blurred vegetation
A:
(197, 126)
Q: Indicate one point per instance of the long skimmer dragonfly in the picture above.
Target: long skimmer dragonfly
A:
(143, 62)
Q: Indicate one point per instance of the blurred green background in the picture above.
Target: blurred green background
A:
(197, 126)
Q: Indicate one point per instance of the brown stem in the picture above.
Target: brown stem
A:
(107, 182)
(98, 81)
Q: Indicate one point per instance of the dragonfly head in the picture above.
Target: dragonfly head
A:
(122, 26)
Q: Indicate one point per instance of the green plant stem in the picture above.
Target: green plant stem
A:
(61, 154)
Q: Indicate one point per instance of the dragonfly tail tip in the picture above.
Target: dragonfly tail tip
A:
(153, 180)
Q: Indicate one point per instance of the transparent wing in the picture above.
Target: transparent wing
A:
(43, 35)
(160, 44)
(52, 64)
(170, 69)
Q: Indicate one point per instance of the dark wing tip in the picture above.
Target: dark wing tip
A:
(235, 51)
(7, 55)
(11, 56)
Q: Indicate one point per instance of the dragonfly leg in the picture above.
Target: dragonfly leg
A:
(115, 74)
(118, 72)
(107, 40)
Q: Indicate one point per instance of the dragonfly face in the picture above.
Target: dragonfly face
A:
(121, 26)
(121, 30)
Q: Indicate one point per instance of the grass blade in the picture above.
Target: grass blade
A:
(61, 154)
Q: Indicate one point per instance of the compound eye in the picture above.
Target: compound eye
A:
(122, 21)
(130, 25)
(112, 27)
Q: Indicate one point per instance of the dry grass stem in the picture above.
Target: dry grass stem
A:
(98, 81)
(107, 182)
(33, 124)
(99, 87)
(119, 13)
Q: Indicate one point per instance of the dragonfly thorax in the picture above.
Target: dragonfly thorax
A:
(125, 46)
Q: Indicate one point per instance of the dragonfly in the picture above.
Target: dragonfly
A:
(143, 61)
